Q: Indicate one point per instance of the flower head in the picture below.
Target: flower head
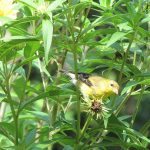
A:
(43, 7)
(95, 107)
(7, 10)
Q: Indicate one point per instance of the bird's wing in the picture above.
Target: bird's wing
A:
(84, 78)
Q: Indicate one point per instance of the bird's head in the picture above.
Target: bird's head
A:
(113, 87)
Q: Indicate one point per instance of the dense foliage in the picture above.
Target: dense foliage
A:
(39, 107)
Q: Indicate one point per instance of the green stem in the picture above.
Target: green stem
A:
(137, 106)
(134, 58)
(121, 74)
(82, 26)
(56, 106)
(45, 106)
(71, 21)
(54, 113)
(15, 117)
(2, 110)
(24, 90)
(124, 59)
(7, 75)
(78, 96)
(119, 108)
(86, 125)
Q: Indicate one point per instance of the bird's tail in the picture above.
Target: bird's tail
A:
(70, 74)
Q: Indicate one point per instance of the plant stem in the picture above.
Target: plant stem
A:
(3, 104)
(78, 96)
(119, 108)
(45, 104)
(86, 125)
(56, 106)
(15, 117)
(134, 58)
(71, 20)
(82, 25)
(137, 106)
(121, 73)
(2, 110)
(124, 59)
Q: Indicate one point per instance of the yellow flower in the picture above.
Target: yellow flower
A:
(7, 9)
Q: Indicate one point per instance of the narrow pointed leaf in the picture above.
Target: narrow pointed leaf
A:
(47, 30)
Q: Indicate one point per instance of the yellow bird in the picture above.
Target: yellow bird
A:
(94, 87)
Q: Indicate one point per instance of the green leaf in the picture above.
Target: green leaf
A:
(145, 129)
(47, 30)
(21, 71)
(62, 139)
(107, 63)
(31, 48)
(19, 87)
(30, 137)
(68, 147)
(134, 69)
(120, 2)
(20, 38)
(26, 61)
(147, 19)
(40, 115)
(145, 82)
(106, 118)
(52, 91)
(143, 32)
(106, 3)
(29, 3)
(128, 136)
(144, 74)
(128, 86)
(7, 48)
(32, 100)
(138, 134)
(55, 4)
(21, 21)
(115, 37)
(7, 129)
(2, 96)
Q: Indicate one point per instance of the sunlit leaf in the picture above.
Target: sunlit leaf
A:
(55, 4)
(47, 30)
(115, 37)
(19, 87)
(29, 3)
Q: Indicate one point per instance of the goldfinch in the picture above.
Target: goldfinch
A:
(94, 87)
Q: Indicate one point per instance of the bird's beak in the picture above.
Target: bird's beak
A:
(116, 91)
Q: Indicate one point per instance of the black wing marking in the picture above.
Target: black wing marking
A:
(81, 76)
(84, 78)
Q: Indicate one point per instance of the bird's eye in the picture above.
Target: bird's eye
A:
(111, 84)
